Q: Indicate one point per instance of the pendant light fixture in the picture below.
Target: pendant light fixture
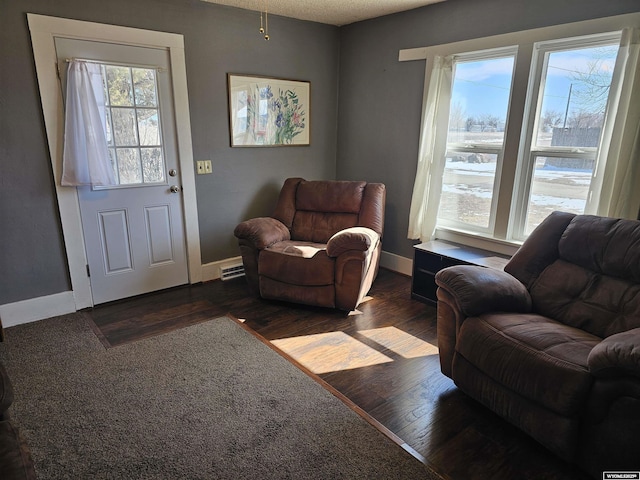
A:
(264, 19)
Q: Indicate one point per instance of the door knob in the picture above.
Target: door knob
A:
(174, 189)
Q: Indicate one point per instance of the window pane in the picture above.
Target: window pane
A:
(558, 184)
(480, 101)
(575, 89)
(124, 126)
(152, 165)
(467, 188)
(114, 163)
(148, 126)
(129, 166)
(144, 81)
(109, 129)
(119, 85)
(477, 116)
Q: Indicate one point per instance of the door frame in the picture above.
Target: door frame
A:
(43, 30)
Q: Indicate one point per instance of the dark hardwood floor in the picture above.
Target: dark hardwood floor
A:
(382, 358)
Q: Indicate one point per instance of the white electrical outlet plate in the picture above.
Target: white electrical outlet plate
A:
(203, 167)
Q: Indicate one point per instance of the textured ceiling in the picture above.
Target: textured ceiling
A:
(332, 12)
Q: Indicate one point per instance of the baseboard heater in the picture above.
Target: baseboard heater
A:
(231, 271)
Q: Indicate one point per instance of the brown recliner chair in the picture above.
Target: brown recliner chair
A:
(552, 344)
(320, 247)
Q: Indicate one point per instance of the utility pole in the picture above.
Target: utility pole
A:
(566, 112)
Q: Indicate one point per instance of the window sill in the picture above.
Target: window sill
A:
(476, 240)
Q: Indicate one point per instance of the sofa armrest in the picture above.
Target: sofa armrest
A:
(355, 238)
(262, 232)
(617, 356)
(477, 290)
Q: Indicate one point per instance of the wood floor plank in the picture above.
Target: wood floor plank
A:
(406, 393)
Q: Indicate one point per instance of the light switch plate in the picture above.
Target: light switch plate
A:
(200, 167)
(207, 166)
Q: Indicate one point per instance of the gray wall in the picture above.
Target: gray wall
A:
(381, 98)
(245, 181)
(376, 138)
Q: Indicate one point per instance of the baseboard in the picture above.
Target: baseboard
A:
(49, 306)
(37, 308)
(213, 270)
(390, 261)
(398, 264)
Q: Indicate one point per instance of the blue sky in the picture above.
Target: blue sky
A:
(483, 86)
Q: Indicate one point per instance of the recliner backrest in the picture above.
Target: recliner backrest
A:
(590, 278)
(316, 210)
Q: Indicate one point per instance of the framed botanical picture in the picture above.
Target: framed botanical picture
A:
(265, 111)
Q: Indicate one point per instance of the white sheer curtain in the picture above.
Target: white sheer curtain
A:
(615, 190)
(431, 160)
(86, 156)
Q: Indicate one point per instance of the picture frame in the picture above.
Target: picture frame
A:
(268, 111)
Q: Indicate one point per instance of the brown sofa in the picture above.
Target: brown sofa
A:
(320, 247)
(552, 344)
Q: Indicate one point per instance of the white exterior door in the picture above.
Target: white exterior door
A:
(134, 232)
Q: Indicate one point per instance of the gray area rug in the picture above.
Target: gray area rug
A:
(209, 401)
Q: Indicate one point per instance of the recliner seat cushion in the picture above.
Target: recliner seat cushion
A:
(297, 263)
(536, 357)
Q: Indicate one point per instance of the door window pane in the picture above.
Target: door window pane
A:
(144, 82)
(124, 127)
(129, 166)
(149, 126)
(152, 167)
(119, 86)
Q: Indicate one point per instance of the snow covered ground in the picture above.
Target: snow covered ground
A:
(468, 187)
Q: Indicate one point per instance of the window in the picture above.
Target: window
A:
(134, 135)
(475, 139)
(521, 124)
(571, 82)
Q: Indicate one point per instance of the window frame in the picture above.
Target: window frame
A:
(502, 239)
(533, 103)
(490, 54)
(109, 108)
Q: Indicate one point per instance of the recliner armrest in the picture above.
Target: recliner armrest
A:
(478, 290)
(616, 356)
(262, 232)
(354, 238)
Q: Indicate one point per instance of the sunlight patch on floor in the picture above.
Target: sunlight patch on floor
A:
(330, 352)
(400, 342)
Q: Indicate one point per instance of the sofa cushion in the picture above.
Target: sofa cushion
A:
(538, 358)
(607, 246)
(600, 304)
(297, 263)
(594, 283)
